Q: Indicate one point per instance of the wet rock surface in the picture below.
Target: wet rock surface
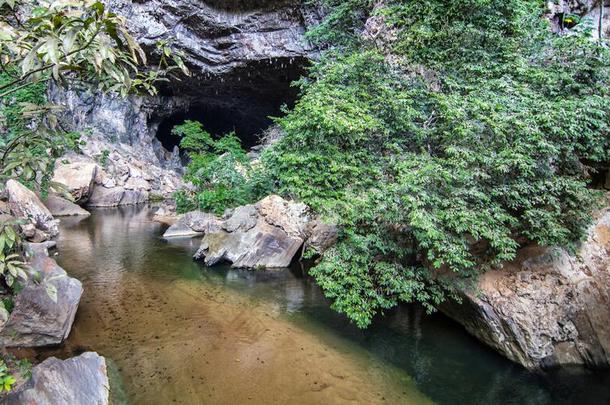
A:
(78, 380)
(548, 307)
(44, 309)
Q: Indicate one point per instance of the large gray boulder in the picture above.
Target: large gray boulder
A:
(60, 207)
(44, 309)
(267, 234)
(548, 307)
(26, 205)
(81, 380)
(77, 176)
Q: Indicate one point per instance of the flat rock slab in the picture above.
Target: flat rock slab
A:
(194, 223)
(81, 380)
(60, 207)
(37, 319)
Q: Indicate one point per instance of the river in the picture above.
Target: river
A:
(179, 332)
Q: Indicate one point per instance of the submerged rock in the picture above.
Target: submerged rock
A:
(78, 380)
(267, 234)
(44, 309)
(26, 205)
(60, 207)
(194, 223)
(547, 308)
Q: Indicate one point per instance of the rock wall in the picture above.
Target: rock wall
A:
(218, 37)
(548, 307)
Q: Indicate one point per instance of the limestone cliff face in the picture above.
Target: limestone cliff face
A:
(548, 307)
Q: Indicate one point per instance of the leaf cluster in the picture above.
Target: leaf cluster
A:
(219, 170)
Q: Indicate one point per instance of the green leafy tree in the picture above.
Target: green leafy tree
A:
(219, 170)
(442, 143)
(6, 379)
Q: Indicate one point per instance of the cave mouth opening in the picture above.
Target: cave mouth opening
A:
(218, 121)
(243, 101)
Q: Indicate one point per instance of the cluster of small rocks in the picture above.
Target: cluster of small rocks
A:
(104, 174)
(267, 234)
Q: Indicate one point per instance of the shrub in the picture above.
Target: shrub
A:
(219, 170)
(472, 126)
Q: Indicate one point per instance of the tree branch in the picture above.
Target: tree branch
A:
(46, 67)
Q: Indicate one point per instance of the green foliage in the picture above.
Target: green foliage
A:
(104, 157)
(12, 267)
(6, 379)
(219, 170)
(472, 131)
(54, 39)
(25, 368)
(63, 42)
(29, 144)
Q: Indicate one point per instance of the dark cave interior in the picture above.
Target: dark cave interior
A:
(242, 101)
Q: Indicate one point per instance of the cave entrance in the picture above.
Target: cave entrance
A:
(242, 101)
(218, 121)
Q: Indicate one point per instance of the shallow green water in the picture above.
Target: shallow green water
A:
(183, 333)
